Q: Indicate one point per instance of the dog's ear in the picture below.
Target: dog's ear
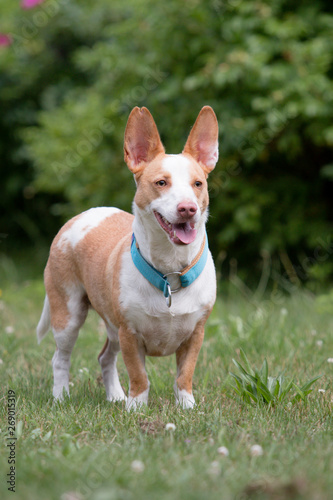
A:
(142, 141)
(202, 143)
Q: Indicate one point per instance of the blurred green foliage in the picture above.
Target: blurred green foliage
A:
(74, 70)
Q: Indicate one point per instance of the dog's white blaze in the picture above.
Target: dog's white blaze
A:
(176, 163)
(86, 222)
(179, 168)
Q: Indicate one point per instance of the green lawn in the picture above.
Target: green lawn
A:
(87, 448)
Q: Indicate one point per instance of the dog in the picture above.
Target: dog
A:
(150, 275)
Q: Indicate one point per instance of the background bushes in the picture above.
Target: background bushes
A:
(72, 72)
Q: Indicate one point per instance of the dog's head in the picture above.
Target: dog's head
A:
(172, 189)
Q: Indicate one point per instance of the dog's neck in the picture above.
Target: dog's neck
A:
(156, 247)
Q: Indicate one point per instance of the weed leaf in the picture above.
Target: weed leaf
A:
(246, 362)
(257, 386)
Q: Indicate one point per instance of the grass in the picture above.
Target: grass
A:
(257, 387)
(85, 447)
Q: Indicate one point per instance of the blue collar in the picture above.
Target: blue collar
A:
(160, 281)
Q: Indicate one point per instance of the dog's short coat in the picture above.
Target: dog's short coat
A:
(90, 265)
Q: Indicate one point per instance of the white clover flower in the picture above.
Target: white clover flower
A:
(256, 450)
(222, 450)
(330, 360)
(137, 466)
(284, 311)
(214, 468)
(9, 329)
(319, 343)
(170, 427)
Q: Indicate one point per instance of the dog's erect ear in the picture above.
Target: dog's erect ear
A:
(142, 141)
(202, 143)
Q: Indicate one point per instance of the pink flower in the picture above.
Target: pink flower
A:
(5, 40)
(30, 4)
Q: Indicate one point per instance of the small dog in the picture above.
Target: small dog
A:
(150, 276)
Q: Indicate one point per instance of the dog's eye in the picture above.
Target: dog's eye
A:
(198, 184)
(161, 183)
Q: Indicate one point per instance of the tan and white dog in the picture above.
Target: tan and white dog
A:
(91, 265)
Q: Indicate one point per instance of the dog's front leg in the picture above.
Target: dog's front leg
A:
(134, 359)
(186, 358)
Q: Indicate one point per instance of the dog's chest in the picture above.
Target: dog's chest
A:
(161, 336)
(161, 329)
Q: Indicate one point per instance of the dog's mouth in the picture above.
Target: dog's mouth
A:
(181, 233)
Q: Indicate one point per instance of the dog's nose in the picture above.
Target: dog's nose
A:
(187, 209)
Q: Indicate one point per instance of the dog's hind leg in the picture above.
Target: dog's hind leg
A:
(108, 361)
(68, 313)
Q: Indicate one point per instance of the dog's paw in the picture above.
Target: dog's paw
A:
(114, 396)
(60, 392)
(183, 398)
(134, 404)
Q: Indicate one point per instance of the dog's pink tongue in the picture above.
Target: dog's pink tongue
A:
(184, 232)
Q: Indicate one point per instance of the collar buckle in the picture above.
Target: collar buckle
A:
(165, 276)
(168, 290)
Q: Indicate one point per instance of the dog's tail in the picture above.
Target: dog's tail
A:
(44, 322)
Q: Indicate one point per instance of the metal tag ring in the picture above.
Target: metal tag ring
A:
(170, 274)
